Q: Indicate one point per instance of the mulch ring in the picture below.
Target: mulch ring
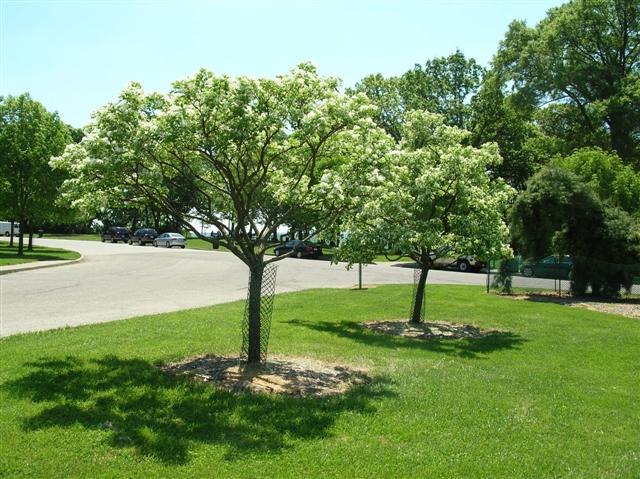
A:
(287, 376)
(629, 307)
(428, 330)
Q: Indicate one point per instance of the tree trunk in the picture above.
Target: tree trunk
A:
(134, 222)
(255, 296)
(620, 132)
(13, 225)
(156, 220)
(21, 240)
(416, 312)
(30, 247)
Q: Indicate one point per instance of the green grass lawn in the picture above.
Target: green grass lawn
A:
(80, 237)
(9, 256)
(556, 397)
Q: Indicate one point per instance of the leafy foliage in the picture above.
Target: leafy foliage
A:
(445, 85)
(583, 61)
(559, 214)
(385, 94)
(244, 150)
(604, 172)
(245, 155)
(435, 191)
(554, 214)
(434, 197)
(29, 136)
(496, 117)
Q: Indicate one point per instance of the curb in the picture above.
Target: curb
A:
(37, 265)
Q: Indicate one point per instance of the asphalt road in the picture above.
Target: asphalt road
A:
(118, 281)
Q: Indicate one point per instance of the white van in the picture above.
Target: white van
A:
(5, 228)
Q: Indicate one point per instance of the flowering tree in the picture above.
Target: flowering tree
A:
(436, 195)
(246, 155)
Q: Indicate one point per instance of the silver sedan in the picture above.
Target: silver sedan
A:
(170, 240)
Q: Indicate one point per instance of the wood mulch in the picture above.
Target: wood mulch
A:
(629, 307)
(428, 330)
(287, 376)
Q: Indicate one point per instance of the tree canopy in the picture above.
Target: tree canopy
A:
(245, 155)
(496, 117)
(29, 137)
(581, 62)
(435, 195)
(559, 214)
(444, 85)
(604, 172)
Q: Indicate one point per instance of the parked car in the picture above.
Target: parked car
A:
(143, 236)
(463, 264)
(470, 263)
(115, 234)
(170, 240)
(301, 249)
(5, 228)
(548, 267)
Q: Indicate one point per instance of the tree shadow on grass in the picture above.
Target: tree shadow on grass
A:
(472, 348)
(164, 416)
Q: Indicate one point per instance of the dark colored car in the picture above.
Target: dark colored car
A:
(301, 249)
(115, 234)
(143, 236)
(548, 267)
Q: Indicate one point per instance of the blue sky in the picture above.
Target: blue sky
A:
(74, 56)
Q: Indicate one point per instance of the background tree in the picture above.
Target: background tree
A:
(385, 94)
(29, 137)
(553, 214)
(241, 150)
(559, 214)
(5, 209)
(435, 198)
(445, 85)
(497, 117)
(582, 61)
(613, 182)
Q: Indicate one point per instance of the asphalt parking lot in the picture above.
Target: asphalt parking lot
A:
(118, 281)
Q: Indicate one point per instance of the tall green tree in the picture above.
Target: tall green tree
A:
(29, 137)
(385, 94)
(445, 85)
(250, 152)
(604, 172)
(582, 63)
(558, 213)
(497, 118)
